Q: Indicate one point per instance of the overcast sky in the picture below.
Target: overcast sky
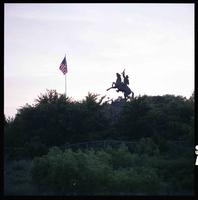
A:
(154, 43)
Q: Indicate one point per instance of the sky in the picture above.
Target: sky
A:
(154, 43)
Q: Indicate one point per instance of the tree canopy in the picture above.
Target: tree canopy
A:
(55, 120)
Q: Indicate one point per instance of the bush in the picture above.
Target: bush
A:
(17, 179)
(109, 171)
(147, 146)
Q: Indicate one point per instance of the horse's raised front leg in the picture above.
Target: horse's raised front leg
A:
(111, 88)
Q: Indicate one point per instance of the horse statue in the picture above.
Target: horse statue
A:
(122, 86)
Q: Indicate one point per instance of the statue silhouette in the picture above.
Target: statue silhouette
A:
(126, 78)
(122, 86)
(117, 83)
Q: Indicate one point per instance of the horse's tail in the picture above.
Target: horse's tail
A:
(132, 94)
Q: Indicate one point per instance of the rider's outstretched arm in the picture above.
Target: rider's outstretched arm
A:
(123, 74)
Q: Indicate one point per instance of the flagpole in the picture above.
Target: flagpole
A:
(65, 80)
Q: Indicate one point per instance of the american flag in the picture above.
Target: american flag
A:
(63, 66)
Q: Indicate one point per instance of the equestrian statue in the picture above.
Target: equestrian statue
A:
(122, 86)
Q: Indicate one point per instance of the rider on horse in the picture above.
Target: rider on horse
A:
(126, 78)
(122, 86)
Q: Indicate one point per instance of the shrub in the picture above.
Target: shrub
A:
(147, 146)
(17, 179)
(109, 171)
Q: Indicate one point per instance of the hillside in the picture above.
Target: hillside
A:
(134, 135)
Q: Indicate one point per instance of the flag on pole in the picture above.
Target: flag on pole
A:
(63, 66)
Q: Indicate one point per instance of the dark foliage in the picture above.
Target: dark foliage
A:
(55, 120)
(111, 172)
(161, 126)
(168, 117)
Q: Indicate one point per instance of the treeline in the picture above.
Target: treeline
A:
(55, 121)
(161, 162)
